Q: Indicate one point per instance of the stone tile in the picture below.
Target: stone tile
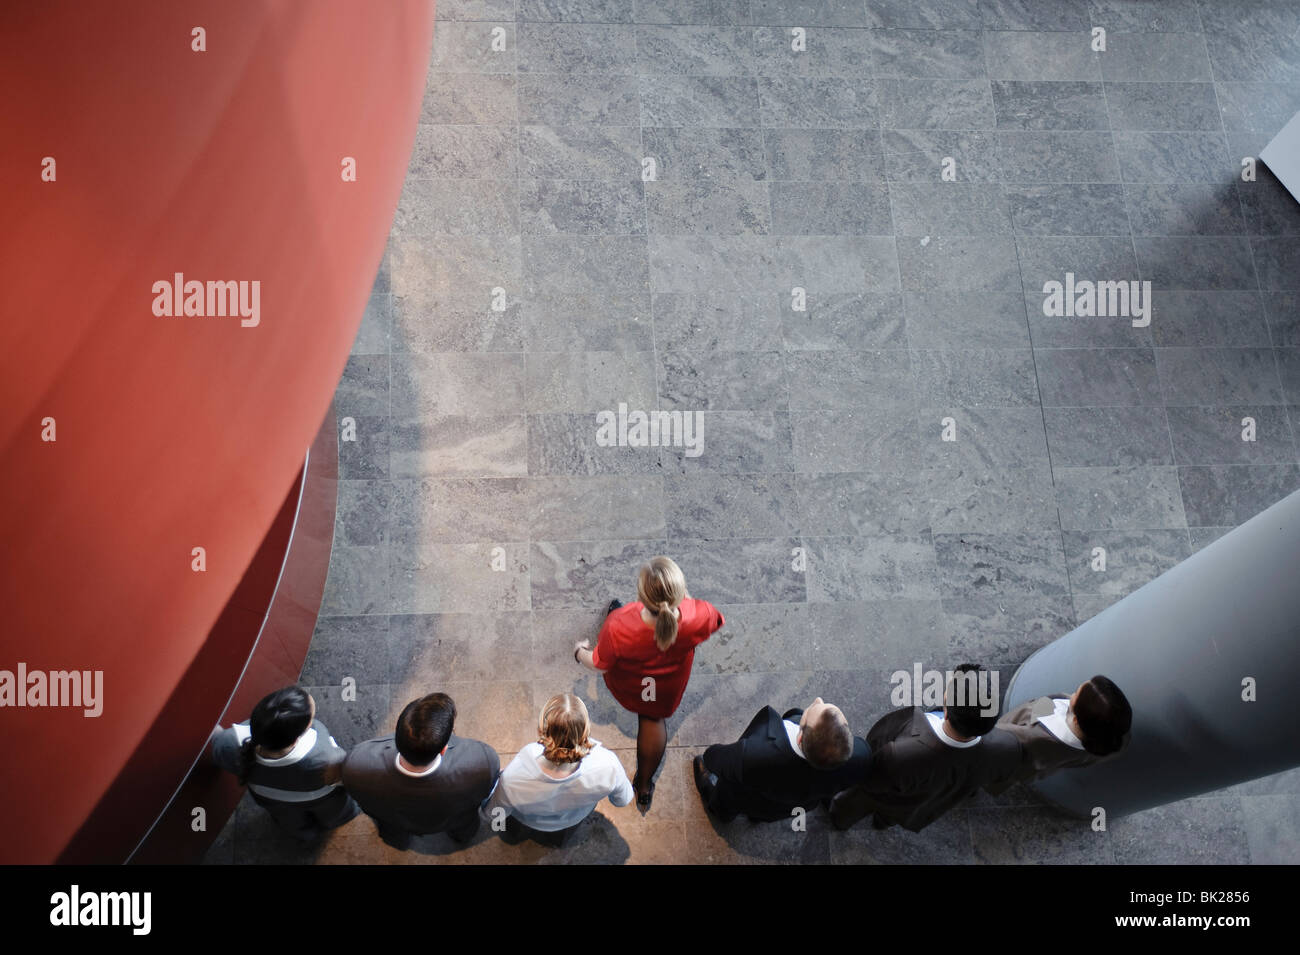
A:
(570, 48)
(946, 841)
(924, 14)
(578, 207)
(1187, 832)
(944, 262)
(722, 381)
(1036, 835)
(355, 720)
(975, 565)
(1153, 57)
(1026, 55)
(578, 321)
(1004, 628)
(470, 98)
(459, 446)
(363, 447)
(697, 50)
(759, 638)
(1208, 376)
(720, 321)
(1005, 500)
(827, 208)
(848, 155)
(1152, 16)
(1097, 377)
(581, 151)
(596, 508)
(1099, 437)
(816, 102)
(861, 503)
(1278, 262)
(457, 510)
(1055, 155)
(1168, 210)
(733, 505)
(684, 153)
(682, 100)
(437, 648)
(842, 321)
(691, 12)
(1047, 104)
(935, 104)
(1033, 15)
(590, 264)
(1228, 495)
(576, 11)
(355, 647)
(1183, 106)
(589, 381)
(1068, 209)
(966, 319)
(818, 13)
(467, 47)
(458, 578)
(1131, 558)
(718, 707)
(1118, 497)
(925, 54)
(982, 438)
(1214, 435)
(949, 209)
(363, 390)
(1200, 537)
(702, 206)
(456, 384)
(1262, 107)
(372, 336)
(1272, 825)
(920, 155)
(1002, 378)
(571, 444)
(457, 207)
(736, 442)
(829, 51)
(565, 99)
(357, 582)
(864, 636)
(742, 570)
(566, 575)
(859, 439)
(820, 380)
(1173, 156)
(1087, 606)
(1197, 318)
(854, 568)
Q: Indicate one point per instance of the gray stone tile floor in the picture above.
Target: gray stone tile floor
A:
(538, 273)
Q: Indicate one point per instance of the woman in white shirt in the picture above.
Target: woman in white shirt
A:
(552, 785)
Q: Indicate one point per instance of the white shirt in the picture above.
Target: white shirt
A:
(549, 804)
(437, 761)
(1058, 724)
(792, 731)
(936, 723)
(305, 744)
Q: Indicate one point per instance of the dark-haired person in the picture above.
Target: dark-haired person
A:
(782, 763)
(923, 764)
(289, 762)
(1059, 732)
(422, 779)
(552, 785)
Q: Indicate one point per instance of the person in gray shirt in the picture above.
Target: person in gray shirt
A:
(289, 762)
(422, 779)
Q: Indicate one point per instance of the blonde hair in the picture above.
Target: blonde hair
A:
(661, 586)
(564, 726)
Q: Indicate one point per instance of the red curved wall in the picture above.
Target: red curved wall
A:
(172, 432)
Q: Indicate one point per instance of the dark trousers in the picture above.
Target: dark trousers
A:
(307, 821)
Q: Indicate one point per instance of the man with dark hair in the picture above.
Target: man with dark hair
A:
(923, 764)
(1056, 732)
(422, 779)
(781, 763)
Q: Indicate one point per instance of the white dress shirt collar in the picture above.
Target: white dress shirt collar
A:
(428, 770)
(792, 731)
(1058, 724)
(936, 723)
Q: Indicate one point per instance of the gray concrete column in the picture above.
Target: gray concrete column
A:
(1179, 648)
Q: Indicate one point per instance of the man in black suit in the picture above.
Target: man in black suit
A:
(422, 779)
(923, 764)
(781, 763)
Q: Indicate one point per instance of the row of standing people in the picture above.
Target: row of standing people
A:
(911, 767)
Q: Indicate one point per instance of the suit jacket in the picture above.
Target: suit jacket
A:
(762, 777)
(916, 777)
(1041, 753)
(434, 803)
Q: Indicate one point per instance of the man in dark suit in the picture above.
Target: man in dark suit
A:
(781, 763)
(422, 779)
(923, 764)
(1059, 732)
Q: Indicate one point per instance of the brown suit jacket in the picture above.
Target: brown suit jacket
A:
(1043, 753)
(915, 777)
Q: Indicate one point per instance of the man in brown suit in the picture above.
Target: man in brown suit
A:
(1056, 732)
(923, 764)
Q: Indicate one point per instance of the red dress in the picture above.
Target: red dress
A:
(626, 651)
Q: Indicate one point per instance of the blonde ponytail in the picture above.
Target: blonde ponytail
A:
(661, 586)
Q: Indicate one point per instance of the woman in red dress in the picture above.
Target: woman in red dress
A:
(645, 650)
